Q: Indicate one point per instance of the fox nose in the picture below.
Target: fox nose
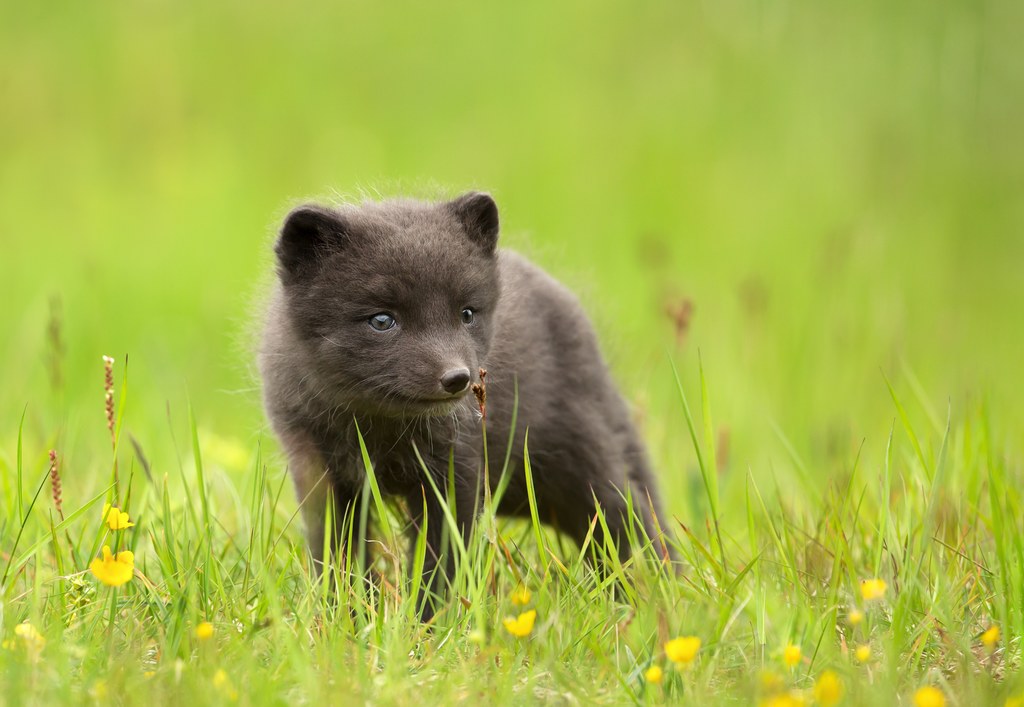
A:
(456, 380)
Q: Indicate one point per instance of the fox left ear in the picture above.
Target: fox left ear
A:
(478, 214)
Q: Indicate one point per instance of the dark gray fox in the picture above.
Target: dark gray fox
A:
(383, 317)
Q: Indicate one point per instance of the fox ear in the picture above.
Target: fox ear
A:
(308, 233)
(478, 214)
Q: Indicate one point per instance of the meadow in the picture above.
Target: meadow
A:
(798, 227)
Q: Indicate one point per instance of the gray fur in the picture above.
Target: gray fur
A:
(325, 368)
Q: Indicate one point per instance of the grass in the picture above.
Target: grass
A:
(937, 517)
(834, 189)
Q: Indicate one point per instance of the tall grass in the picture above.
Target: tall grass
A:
(936, 516)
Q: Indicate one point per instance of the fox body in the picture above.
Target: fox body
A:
(382, 318)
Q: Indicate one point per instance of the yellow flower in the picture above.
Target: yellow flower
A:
(771, 681)
(115, 519)
(204, 630)
(929, 696)
(1015, 701)
(114, 571)
(682, 650)
(654, 674)
(872, 589)
(991, 637)
(222, 683)
(98, 691)
(521, 596)
(785, 699)
(863, 653)
(791, 655)
(828, 689)
(521, 625)
(29, 636)
(855, 617)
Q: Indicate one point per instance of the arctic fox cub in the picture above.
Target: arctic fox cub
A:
(384, 316)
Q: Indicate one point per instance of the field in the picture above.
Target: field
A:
(798, 228)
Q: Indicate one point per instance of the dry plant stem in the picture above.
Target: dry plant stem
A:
(58, 494)
(480, 391)
(55, 485)
(108, 387)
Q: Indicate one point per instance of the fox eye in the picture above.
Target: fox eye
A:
(467, 315)
(382, 321)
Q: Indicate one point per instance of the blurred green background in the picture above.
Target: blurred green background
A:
(838, 188)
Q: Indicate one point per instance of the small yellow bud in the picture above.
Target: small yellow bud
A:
(29, 638)
(929, 696)
(115, 518)
(855, 617)
(682, 650)
(654, 674)
(791, 655)
(991, 637)
(204, 631)
(223, 684)
(863, 653)
(98, 691)
(872, 589)
(771, 681)
(521, 596)
(828, 689)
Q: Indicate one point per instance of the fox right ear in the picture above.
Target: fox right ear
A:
(479, 217)
(308, 233)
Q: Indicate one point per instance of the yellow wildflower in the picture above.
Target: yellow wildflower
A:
(682, 650)
(872, 589)
(114, 571)
(785, 699)
(115, 518)
(828, 689)
(98, 691)
(863, 653)
(222, 683)
(29, 637)
(204, 630)
(929, 696)
(654, 674)
(771, 681)
(991, 637)
(521, 625)
(855, 617)
(791, 655)
(521, 596)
